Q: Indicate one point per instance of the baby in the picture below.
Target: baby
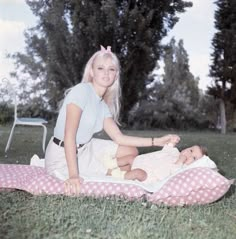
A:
(155, 166)
(161, 164)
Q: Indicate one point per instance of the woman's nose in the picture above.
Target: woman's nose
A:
(106, 72)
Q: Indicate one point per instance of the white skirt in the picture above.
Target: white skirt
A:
(89, 158)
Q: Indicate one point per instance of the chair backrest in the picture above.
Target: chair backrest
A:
(8, 88)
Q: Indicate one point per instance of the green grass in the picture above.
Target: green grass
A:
(27, 216)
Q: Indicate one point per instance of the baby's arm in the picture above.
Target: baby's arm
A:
(181, 160)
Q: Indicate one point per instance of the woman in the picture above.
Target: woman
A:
(89, 107)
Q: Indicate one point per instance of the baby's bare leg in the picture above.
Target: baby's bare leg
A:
(137, 173)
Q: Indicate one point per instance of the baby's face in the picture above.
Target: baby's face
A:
(192, 154)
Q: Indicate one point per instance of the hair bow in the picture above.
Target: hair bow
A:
(104, 50)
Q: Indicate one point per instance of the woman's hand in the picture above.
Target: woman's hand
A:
(172, 139)
(72, 185)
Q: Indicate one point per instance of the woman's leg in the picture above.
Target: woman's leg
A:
(125, 156)
(55, 161)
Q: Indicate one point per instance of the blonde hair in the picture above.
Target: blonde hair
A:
(113, 93)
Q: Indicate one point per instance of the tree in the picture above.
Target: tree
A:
(232, 59)
(172, 101)
(69, 31)
(224, 57)
(179, 81)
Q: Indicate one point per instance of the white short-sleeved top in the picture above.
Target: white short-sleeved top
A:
(95, 110)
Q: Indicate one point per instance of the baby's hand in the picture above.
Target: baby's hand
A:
(181, 160)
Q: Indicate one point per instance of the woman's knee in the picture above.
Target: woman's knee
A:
(134, 151)
(126, 150)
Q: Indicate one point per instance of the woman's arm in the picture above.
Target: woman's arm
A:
(117, 136)
(73, 115)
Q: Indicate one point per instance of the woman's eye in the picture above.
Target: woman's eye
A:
(112, 69)
(100, 68)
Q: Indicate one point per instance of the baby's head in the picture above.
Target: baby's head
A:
(193, 153)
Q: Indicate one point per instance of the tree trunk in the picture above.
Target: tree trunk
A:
(222, 116)
(234, 119)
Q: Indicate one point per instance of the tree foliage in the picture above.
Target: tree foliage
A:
(175, 100)
(68, 32)
(223, 67)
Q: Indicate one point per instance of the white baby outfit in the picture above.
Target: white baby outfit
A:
(161, 164)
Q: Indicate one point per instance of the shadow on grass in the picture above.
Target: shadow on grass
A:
(231, 192)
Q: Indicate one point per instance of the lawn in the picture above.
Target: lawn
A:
(27, 216)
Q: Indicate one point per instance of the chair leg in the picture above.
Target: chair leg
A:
(44, 137)
(10, 137)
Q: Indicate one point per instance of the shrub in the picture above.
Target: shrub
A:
(7, 113)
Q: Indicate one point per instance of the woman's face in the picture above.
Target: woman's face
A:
(104, 71)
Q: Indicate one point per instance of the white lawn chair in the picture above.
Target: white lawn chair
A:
(22, 121)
